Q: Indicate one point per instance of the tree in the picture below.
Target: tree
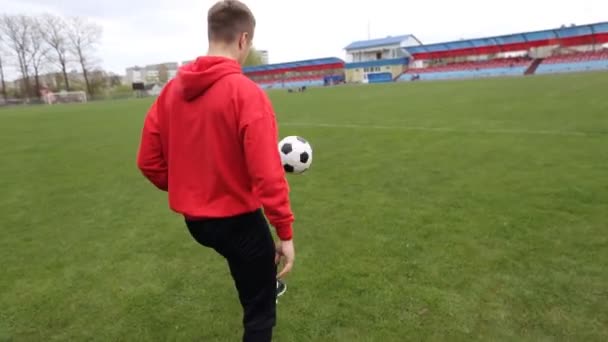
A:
(98, 81)
(4, 94)
(254, 58)
(83, 37)
(114, 80)
(55, 35)
(16, 32)
(38, 52)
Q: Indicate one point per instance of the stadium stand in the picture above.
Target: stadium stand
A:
(577, 62)
(563, 37)
(405, 58)
(307, 73)
(460, 59)
(491, 68)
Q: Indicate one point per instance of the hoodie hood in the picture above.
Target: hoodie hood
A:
(195, 78)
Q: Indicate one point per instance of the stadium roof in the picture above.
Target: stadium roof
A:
(366, 44)
(292, 65)
(554, 35)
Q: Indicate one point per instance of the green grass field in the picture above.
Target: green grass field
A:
(448, 211)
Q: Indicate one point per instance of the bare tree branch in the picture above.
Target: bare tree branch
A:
(2, 65)
(38, 53)
(16, 30)
(54, 33)
(84, 37)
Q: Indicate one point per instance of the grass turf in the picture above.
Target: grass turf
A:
(465, 210)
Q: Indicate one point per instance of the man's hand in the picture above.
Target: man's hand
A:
(287, 253)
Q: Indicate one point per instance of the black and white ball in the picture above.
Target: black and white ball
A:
(296, 154)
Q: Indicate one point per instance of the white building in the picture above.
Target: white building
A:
(379, 49)
(378, 60)
(152, 74)
(264, 56)
(135, 75)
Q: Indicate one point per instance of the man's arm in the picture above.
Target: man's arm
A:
(150, 158)
(260, 138)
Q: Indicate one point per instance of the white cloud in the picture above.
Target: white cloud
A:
(152, 31)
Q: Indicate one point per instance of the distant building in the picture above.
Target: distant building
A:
(151, 74)
(378, 59)
(380, 49)
(264, 56)
(135, 75)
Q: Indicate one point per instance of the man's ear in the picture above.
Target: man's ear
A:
(243, 40)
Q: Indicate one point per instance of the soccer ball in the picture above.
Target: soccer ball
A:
(296, 154)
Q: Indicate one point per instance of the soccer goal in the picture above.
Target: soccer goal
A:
(65, 97)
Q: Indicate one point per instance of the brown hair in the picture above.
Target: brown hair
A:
(227, 19)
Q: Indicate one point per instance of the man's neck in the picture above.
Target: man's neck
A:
(220, 51)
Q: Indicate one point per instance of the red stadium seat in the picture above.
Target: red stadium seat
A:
(577, 57)
(463, 66)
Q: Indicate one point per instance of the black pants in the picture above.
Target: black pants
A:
(246, 243)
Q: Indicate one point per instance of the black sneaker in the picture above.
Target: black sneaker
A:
(281, 288)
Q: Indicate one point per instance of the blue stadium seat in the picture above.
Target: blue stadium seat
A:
(551, 68)
(294, 84)
(463, 74)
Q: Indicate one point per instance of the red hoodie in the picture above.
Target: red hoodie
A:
(210, 140)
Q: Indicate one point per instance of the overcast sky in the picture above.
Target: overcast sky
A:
(140, 32)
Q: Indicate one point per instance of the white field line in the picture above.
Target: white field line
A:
(437, 129)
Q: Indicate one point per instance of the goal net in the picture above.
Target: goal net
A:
(65, 97)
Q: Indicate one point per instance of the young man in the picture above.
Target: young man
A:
(210, 141)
